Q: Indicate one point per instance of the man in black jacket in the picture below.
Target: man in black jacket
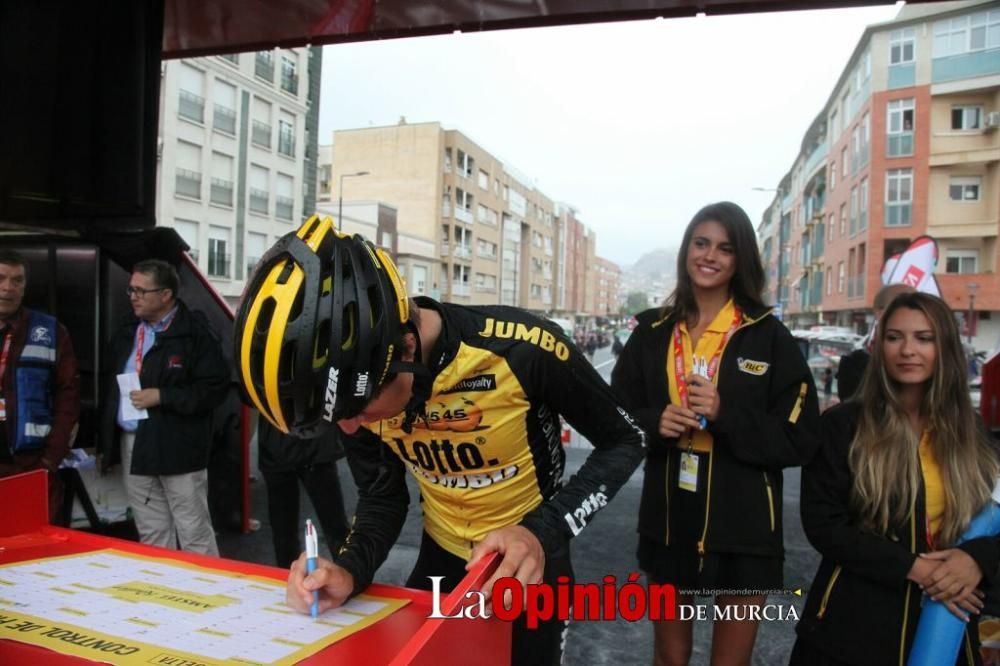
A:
(176, 375)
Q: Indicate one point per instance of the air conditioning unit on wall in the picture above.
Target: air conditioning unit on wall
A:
(992, 120)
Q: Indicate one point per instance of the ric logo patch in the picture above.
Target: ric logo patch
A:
(752, 367)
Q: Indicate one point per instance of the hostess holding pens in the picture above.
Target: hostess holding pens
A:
(312, 552)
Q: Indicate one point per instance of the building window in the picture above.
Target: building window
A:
(218, 253)
(899, 127)
(484, 180)
(965, 188)
(286, 138)
(863, 205)
(840, 277)
(264, 65)
(961, 261)
(963, 34)
(191, 106)
(966, 117)
(901, 45)
(234, 58)
(854, 210)
(260, 134)
(843, 220)
(289, 79)
(833, 175)
(898, 197)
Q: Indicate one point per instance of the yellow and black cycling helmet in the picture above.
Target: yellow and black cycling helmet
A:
(318, 328)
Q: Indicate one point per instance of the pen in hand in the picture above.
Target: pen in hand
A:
(312, 552)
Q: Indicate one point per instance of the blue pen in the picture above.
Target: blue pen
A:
(312, 552)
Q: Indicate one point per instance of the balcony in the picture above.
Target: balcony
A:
(224, 120)
(899, 145)
(188, 184)
(290, 82)
(221, 192)
(445, 209)
(218, 264)
(286, 144)
(818, 242)
(486, 254)
(486, 289)
(458, 288)
(445, 249)
(283, 207)
(259, 201)
(260, 134)
(462, 252)
(191, 107)
(898, 214)
(463, 214)
(264, 66)
(856, 286)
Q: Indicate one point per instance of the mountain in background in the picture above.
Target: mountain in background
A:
(660, 262)
(653, 274)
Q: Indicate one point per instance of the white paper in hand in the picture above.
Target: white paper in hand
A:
(128, 382)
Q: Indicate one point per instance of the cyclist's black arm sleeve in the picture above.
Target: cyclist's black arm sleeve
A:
(629, 381)
(382, 503)
(787, 433)
(573, 389)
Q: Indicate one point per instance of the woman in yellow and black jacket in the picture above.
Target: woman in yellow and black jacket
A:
(902, 469)
(710, 517)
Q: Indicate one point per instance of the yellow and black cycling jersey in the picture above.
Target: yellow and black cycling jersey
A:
(487, 451)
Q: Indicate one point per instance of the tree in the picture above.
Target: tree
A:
(636, 302)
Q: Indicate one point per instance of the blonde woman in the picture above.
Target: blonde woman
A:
(903, 469)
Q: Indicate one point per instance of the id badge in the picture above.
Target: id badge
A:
(3, 409)
(689, 472)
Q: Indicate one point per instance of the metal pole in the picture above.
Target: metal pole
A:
(968, 323)
(340, 203)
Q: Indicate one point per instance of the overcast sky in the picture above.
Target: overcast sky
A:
(636, 124)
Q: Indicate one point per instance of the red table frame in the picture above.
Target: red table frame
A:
(405, 637)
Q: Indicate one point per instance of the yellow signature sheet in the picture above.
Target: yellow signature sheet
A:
(122, 608)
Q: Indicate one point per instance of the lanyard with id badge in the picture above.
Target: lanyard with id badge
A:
(688, 475)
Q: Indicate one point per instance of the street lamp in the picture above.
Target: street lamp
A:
(972, 287)
(340, 195)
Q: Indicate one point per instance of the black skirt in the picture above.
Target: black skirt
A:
(680, 564)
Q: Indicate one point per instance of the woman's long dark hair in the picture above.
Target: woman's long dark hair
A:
(748, 280)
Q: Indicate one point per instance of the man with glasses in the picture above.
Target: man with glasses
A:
(167, 374)
(39, 384)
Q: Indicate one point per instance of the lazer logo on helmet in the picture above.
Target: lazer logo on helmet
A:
(361, 385)
(536, 335)
(331, 394)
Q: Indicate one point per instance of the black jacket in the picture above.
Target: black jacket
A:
(767, 421)
(850, 371)
(186, 364)
(860, 605)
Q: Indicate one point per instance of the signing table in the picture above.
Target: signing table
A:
(68, 597)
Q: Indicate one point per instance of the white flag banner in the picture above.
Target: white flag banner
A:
(889, 267)
(915, 267)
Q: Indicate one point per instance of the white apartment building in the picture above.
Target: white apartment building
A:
(233, 168)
